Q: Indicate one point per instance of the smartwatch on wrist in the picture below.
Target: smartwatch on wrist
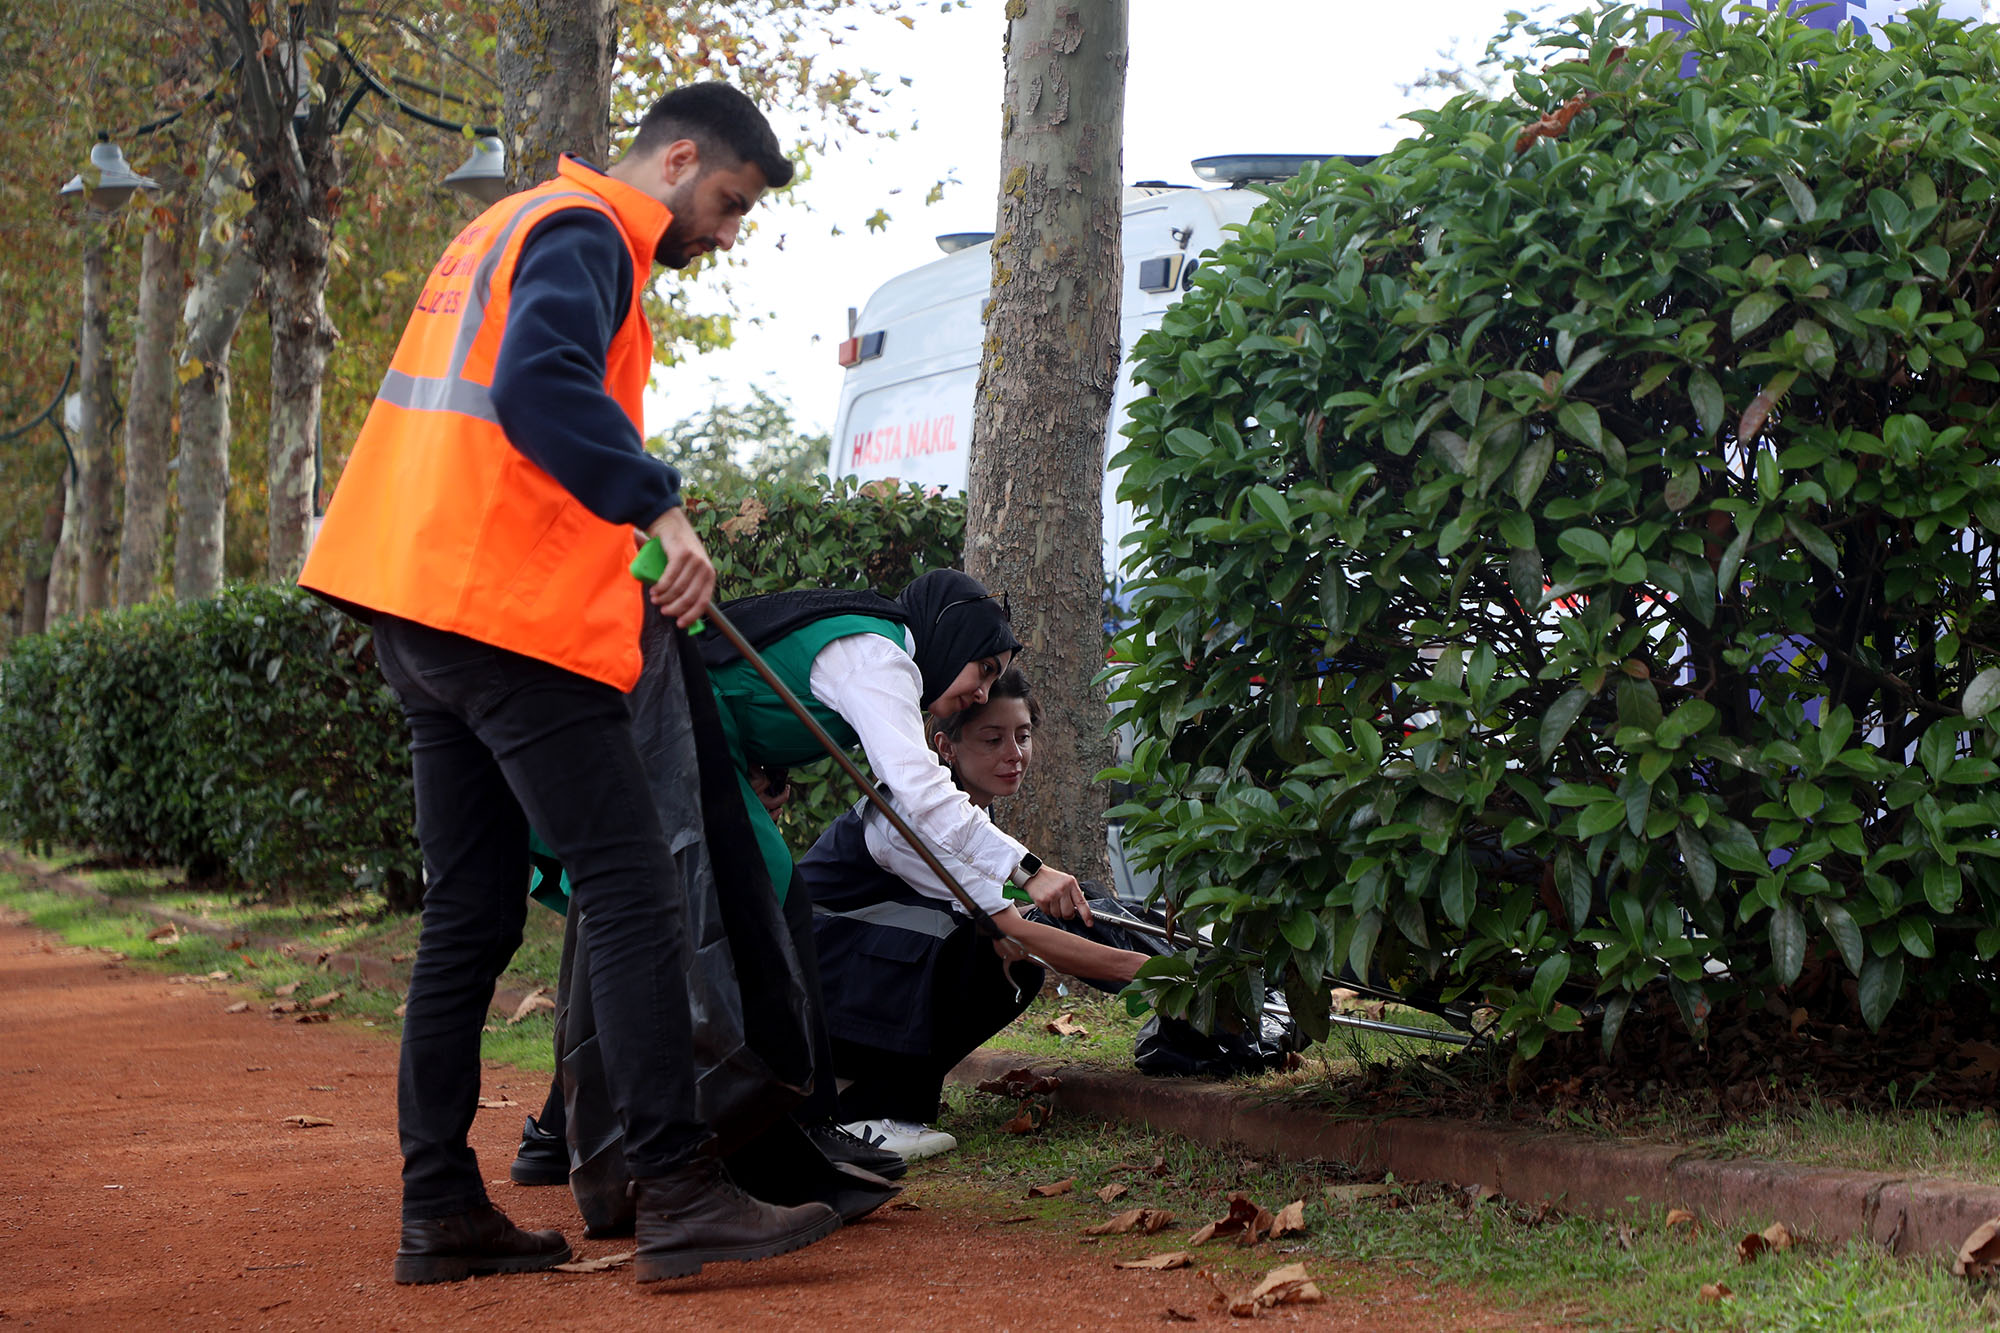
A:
(1030, 866)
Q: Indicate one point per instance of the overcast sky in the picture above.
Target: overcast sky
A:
(1206, 77)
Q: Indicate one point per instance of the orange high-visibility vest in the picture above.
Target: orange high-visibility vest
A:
(438, 518)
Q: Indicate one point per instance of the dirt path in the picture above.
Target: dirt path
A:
(148, 1180)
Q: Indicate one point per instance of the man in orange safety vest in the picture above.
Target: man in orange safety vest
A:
(483, 524)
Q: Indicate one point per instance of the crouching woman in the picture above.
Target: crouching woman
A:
(909, 987)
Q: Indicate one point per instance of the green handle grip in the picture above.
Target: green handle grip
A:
(650, 566)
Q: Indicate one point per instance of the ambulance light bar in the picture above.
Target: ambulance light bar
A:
(866, 347)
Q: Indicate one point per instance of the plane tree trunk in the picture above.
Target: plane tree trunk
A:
(1050, 365)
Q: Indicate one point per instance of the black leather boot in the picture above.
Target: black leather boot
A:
(473, 1244)
(697, 1215)
(841, 1146)
(543, 1158)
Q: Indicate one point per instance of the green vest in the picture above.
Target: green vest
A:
(760, 730)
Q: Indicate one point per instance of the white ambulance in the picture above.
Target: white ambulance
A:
(912, 354)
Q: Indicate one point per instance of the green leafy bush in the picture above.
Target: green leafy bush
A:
(784, 533)
(249, 735)
(252, 735)
(1572, 550)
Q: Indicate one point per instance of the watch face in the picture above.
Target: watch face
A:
(1030, 864)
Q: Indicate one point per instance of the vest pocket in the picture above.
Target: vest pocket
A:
(566, 527)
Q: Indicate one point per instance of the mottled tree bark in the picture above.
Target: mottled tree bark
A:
(62, 568)
(225, 281)
(149, 407)
(96, 534)
(1034, 520)
(294, 163)
(555, 66)
(41, 558)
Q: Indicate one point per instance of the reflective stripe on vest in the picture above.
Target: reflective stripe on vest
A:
(451, 391)
(934, 922)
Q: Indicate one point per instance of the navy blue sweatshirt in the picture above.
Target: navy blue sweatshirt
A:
(572, 290)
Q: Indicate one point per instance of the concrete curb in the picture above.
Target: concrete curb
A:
(374, 971)
(1905, 1215)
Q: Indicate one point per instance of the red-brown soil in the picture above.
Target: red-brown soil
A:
(148, 1180)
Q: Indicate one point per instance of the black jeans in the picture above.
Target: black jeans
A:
(972, 997)
(500, 741)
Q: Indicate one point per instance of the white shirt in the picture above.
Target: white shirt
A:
(876, 688)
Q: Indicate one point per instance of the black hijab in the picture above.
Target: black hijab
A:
(955, 621)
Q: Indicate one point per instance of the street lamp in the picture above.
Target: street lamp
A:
(114, 181)
(484, 174)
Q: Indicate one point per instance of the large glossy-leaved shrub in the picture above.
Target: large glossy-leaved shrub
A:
(1571, 546)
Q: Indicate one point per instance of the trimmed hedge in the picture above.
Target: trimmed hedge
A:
(1571, 562)
(249, 735)
(252, 735)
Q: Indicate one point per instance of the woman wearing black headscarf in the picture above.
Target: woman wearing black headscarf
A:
(870, 670)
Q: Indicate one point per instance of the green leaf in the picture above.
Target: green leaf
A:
(1695, 856)
(1266, 501)
(1880, 984)
(1580, 420)
(1841, 929)
(1706, 395)
(1788, 943)
(1549, 978)
(1752, 312)
(1615, 1010)
(1361, 951)
(1682, 487)
(1918, 939)
(1456, 882)
(1982, 694)
(1804, 206)
(1562, 715)
(1818, 545)
(1300, 930)
(1532, 467)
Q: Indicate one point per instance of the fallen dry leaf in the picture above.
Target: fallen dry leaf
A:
(1174, 1316)
(1032, 1117)
(1979, 1256)
(1713, 1292)
(237, 942)
(401, 1008)
(905, 1206)
(1984, 1055)
(240, 1007)
(166, 934)
(399, 958)
(534, 1001)
(599, 1265)
(1112, 1193)
(285, 1007)
(1778, 1236)
(1145, 1221)
(1626, 1240)
(247, 961)
(1680, 1217)
(307, 1121)
(1050, 1191)
(286, 991)
(1158, 1168)
(1245, 1217)
(1159, 1262)
(1010, 1221)
(313, 1016)
(1020, 1083)
(1799, 1017)
(1289, 1285)
(1341, 1195)
(496, 1103)
(1290, 1221)
(1478, 1194)
(322, 1001)
(1065, 1025)
(218, 976)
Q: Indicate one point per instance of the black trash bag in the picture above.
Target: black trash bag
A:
(748, 1000)
(1172, 1047)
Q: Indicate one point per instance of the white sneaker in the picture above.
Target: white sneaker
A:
(907, 1140)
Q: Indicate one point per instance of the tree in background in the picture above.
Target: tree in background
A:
(727, 449)
(1046, 380)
